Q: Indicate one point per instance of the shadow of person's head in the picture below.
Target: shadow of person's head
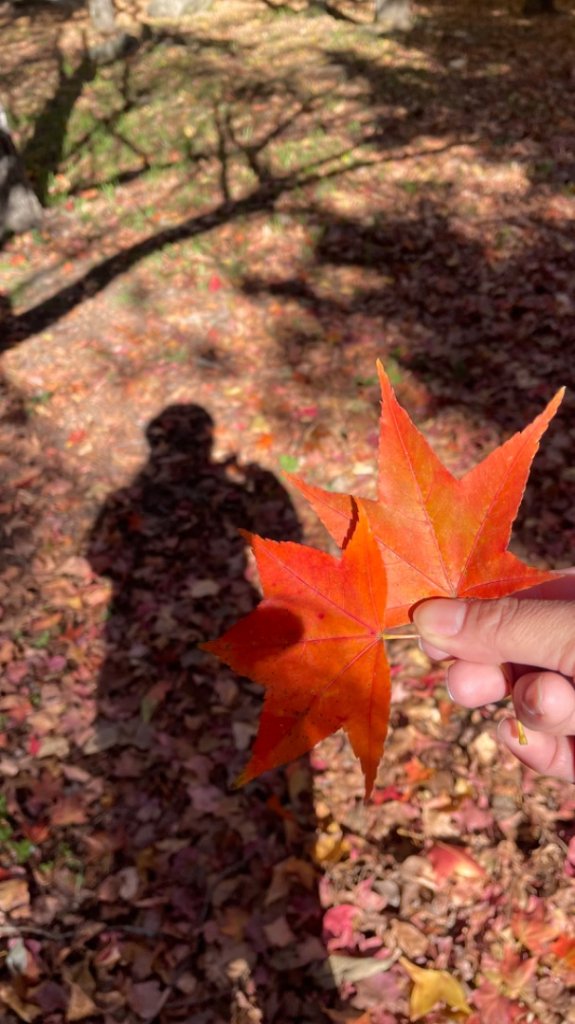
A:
(185, 429)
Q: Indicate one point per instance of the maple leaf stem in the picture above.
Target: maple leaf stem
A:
(521, 734)
(400, 636)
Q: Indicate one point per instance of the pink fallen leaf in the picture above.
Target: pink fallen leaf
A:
(338, 926)
(495, 1008)
(453, 862)
(278, 933)
(50, 997)
(34, 743)
(146, 999)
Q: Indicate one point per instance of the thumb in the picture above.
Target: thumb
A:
(527, 631)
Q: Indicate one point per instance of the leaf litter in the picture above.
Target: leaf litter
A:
(134, 880)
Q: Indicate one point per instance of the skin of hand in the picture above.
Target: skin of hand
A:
(523, 645)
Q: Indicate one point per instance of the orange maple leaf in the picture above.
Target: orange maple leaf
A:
(535, 931)
(439, 536)
(564, 949)
(316, 644)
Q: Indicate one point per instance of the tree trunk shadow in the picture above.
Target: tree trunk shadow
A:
(43, 152)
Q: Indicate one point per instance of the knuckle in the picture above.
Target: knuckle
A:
(545, 634)
(566, 663)
(561, 764)
(495, 619)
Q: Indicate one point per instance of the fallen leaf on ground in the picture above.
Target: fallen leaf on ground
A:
(347, 1017)
(535, 931)
(449, 861)
(285, 873)
(80, 1005)
(564, 949)
(339, 969)
(496, 1008)
(15, 897)
(431, 987)
(27, 1012)
(146, 998)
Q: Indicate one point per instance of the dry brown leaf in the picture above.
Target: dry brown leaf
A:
(409, 938)
(278, 933)
(54, 746)
(25, 1011)
(80, 1004)
(69, 810)
(233, 922)
(99, 594)
(15, 897)
(283, 873)
(347, 1017)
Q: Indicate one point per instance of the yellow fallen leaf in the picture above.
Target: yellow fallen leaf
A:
(431, 987)
(330, 845)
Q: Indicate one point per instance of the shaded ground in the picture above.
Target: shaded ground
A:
(242, 216)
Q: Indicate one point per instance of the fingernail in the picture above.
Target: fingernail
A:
(508, 674)
(433, 652)
(439, 618)
(532, 698)
(508, 729)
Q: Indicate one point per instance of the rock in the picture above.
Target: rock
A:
(20, 208)
(175, 9)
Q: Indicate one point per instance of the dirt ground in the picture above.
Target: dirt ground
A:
(241, 217)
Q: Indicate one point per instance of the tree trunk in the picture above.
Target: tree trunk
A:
(20, 209)
(393, 15)
(531, 8)
(176, 9)
(115, 42)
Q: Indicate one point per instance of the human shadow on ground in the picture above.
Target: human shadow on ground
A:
(199, 887)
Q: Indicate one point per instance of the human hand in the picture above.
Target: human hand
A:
(523, 645)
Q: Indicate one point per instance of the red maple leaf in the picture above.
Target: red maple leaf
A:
(439, 536)
(316, 643)
(316, 640)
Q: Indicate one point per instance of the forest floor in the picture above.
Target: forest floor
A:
(242, 216)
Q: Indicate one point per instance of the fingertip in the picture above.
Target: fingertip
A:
(473, 685)
(545, 701)
(544, 753)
